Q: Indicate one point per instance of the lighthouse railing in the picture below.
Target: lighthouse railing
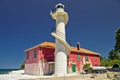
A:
(60, 34)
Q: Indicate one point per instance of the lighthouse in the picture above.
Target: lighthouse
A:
(62, 47)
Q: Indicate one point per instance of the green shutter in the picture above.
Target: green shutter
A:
(78, 57)
(86, 58)
(35, 53)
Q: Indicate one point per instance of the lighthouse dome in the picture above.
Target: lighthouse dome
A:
(59, 6)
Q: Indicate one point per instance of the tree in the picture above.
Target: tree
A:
(104, 61)
(22, 65)
(115, 53)
(117, 44)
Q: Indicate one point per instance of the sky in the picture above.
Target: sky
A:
(26, 23)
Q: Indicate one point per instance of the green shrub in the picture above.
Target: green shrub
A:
(115, 66)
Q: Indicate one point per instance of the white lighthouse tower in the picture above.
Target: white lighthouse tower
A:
(62, 47)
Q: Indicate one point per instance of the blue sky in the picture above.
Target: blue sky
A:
(25, 23)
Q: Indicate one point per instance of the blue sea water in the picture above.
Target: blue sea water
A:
(6, 71)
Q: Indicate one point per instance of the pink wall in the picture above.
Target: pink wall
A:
(42, 53)
(47, 54)
(73, 59)
(31, 58)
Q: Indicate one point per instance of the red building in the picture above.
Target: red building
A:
(40, 59)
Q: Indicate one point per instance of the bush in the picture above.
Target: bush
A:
(87, 68)
(115, 66)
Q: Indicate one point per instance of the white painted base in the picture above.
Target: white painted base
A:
(60, 64)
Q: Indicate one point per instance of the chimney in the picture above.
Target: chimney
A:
(78, 46)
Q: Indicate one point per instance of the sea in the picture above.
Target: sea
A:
(6, 71)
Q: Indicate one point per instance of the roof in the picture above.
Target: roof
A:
(73, 49)
(44, 44)
(82, 50)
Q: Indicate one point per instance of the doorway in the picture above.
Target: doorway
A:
(73, 67)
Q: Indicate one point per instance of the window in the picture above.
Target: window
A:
(78, 57)
(35, 53)
(86, 58)
(94, 58)
(27, 55)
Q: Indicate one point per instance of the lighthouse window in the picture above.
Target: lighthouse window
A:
(78, 57)
(35, 53)
(59, 6)
(86, 58)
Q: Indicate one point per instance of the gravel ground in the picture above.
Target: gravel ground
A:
(77, 77)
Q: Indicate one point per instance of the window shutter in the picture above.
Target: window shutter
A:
(94, 58)
(78, 57)
(35, 53)
(86, 58)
